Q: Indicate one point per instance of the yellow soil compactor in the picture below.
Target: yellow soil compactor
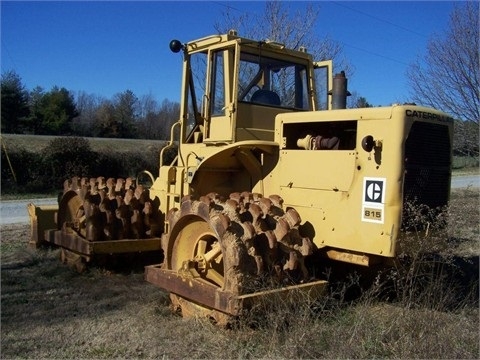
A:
(272, 174)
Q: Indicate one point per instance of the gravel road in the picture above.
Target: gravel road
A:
(15, 211)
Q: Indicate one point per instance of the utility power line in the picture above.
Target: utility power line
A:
(380, 19)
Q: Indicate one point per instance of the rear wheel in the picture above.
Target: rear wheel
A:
(196, 249)
(198, 243)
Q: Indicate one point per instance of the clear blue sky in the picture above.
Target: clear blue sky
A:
(105, 48)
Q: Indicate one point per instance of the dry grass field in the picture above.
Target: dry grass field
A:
(50, 312)
(36, 143)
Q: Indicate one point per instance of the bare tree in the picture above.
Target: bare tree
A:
(146, 125)
(156, 119)
(87, 106)
(357, 101)
(105, 124)
(293, 29)
(448, 78)
(168, 114)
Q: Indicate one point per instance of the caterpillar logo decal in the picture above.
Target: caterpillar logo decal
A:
(373, 206)
(427, 115)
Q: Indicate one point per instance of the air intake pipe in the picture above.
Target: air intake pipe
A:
(310, 142)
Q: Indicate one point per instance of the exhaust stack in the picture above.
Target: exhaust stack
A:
(339, 92)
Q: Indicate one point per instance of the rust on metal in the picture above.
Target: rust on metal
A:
(70, 240)
(42, 218)
(201, 292)
(98, 216)
(193, 289)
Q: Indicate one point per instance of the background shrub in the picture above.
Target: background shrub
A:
(66, 157)
(16, 178)
(460, 162)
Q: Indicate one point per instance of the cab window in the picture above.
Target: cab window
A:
(271, 82)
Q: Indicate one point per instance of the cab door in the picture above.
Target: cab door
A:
(323, 71)
(220, 96)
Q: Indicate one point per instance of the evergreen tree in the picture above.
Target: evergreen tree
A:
(51, 113)
(14, 103)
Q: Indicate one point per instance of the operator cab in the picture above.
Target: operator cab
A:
(234, 88)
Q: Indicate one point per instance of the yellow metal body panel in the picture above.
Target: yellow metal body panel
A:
(329, 187)
(256, 122)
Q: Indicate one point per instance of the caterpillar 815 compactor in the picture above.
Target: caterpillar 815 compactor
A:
(272, 175)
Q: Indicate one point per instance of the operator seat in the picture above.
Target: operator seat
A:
(265, 97)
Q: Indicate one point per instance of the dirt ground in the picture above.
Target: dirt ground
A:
(50, 311)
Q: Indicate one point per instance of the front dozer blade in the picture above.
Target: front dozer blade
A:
(213, 297)
(42, 218)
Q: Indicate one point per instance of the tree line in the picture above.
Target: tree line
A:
(59, 112)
